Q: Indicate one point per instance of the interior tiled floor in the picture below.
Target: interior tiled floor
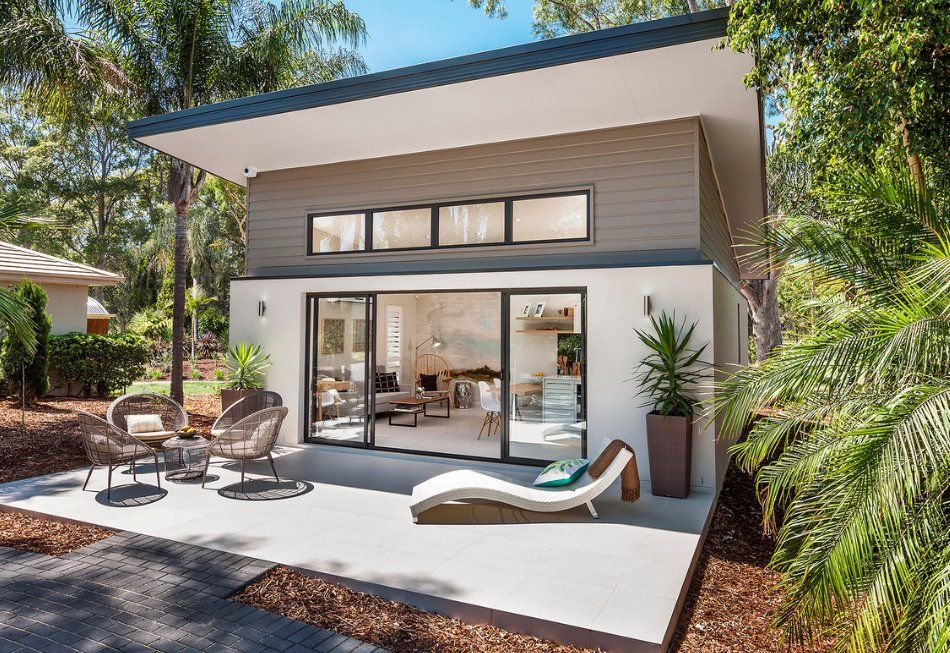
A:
(459, 435)
(616, 582)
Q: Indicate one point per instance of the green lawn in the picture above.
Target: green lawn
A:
(191, 387)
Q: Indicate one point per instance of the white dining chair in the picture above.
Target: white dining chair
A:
(492, 408)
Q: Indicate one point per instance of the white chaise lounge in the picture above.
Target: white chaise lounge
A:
(468, 484)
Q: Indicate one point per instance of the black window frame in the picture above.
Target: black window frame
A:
(335, 214)
(434, 244)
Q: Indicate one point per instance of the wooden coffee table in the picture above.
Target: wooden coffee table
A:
(417, 405)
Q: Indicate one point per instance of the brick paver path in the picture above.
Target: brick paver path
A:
(134, 593)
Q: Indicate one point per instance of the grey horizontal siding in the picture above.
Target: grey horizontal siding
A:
(643, 177)
(715, 240)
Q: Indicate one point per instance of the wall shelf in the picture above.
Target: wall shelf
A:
(556, 318)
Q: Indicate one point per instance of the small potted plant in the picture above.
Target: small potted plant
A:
(665, 375)
(246, 365)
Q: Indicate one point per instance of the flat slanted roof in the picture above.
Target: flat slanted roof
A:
(635, 74)
(17, 262)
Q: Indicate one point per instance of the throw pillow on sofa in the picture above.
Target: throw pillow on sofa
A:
(387, 382)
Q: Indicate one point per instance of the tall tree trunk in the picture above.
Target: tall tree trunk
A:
(762, 295)
(180, 196)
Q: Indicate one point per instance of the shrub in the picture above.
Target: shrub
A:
(246, 366)
(196, 375)
(98, 364)
(213, 321)
(218, 375)
(207, 345)
(17, 362)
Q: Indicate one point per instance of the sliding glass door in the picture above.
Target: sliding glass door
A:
(340, 353)
(545, 383)
(483, 374)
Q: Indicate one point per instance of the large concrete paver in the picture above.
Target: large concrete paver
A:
(134, 593)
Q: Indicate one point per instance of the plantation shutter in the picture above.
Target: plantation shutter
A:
(393, 334)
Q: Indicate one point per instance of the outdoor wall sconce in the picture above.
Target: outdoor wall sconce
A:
(646, 305)
(261, 308)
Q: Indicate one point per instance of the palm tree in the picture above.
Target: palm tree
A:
(197, 301)
(853, 456)
(15, 318)
(179, 55)
(39, 56)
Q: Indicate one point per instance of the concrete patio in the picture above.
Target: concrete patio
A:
(616, 583)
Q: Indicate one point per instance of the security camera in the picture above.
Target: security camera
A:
(250, 172)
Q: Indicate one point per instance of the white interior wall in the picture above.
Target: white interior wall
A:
(402, 366)
(66, 305)
(615, 307)
(533, 353)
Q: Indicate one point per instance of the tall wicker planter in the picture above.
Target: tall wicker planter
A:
(670, 444)
(231, 395)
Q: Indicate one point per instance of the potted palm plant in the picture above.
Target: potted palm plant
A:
(665, 375)
(246, 365)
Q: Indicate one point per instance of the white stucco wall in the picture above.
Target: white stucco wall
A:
(615, 307)
(67, 307)
(731, 347)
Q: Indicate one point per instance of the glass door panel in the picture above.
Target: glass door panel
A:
(340, 354)
(546, 376)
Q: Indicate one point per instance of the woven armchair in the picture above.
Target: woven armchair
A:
(172, 414)
(250, 438)
(244, 407)
(109, 446)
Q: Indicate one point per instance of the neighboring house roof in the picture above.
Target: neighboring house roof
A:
(17, 262)
(95, 310)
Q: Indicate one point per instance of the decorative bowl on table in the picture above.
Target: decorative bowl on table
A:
(187, 433)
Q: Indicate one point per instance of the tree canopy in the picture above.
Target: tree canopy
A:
(849, 78)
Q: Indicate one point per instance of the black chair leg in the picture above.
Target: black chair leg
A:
(132, 468)
(88, 476)
(243, 461)
(274, 469)
(109, 486)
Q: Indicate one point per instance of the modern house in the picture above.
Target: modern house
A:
(66, 284)
(489, 228)
(506, 217)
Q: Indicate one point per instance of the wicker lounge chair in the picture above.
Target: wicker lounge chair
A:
(172, 414)
(244, 407)
(468, 484)
(250, 438)
(110, 446)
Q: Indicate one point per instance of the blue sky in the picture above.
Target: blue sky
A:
(406, 32)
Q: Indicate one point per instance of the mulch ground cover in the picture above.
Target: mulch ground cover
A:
(394, 626)
(49, 440)
(733, 597)
(54, 538)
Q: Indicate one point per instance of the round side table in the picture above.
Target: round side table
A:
(185, 457)
(464, 393)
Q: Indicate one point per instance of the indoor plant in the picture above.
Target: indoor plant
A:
(246, 364)
(665, 375)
